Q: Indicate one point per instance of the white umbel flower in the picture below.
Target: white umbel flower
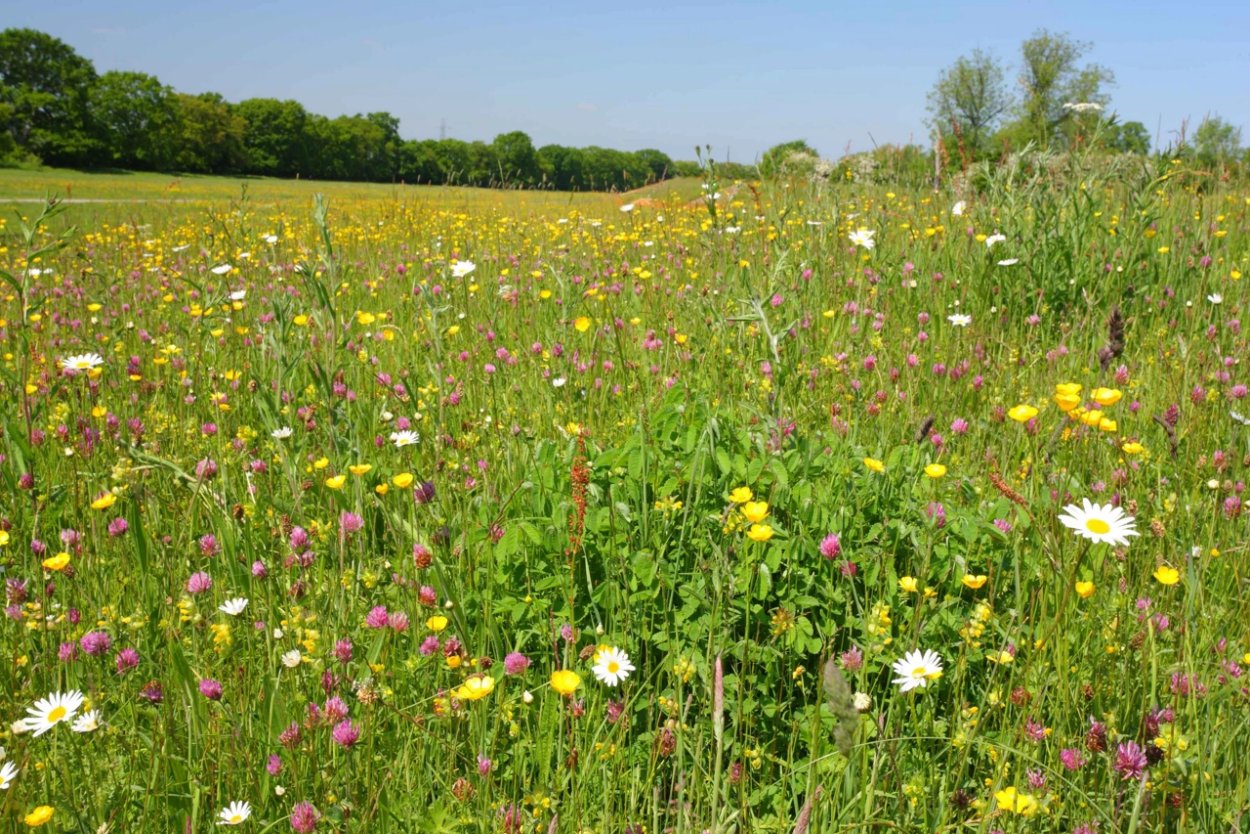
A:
(916, 668)
(1099, 522)
(459, 269)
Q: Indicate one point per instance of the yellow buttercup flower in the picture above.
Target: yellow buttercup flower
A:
(935, 470)
(1092, 417)
(1167, 575)
(1014, 802)
(1084, 589)
(759, 532)
(56, 563)
(475, 687)
(741, 495)
(403, 480)
(336, 481)
(39, 816)
(1132, 448)
(359, 469)
(874, 464)
(436, 623)
(1106, 397)
(1067, 402)
(909, 584)
(974, 581)
(105, 501)
(581, 324)
(1022, 413)
(755, 511)
(565, 681)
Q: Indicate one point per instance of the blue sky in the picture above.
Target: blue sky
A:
(741, 76)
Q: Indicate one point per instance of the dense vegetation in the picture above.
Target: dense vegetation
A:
(838, 507)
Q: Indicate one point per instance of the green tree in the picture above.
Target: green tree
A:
(1127, 137)
(563, 168)
(420, 162)
(386, 168)
(658, 163)
(1053, 79)
(483, 165)
(1216, 141)
(969, 100)
(135, 118)
(210, 135)
(453, 159)
(518, 162)
(788, 159)
(44, 87)
(274, 138)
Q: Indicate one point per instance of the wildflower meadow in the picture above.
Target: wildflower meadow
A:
(778, 506)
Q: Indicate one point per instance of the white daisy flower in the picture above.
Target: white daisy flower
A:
(270, 239)
(8, 772)
(1009, 262)
(558, 382)
(54, 709)
(292, 659)
(628, 207)
(1099, 522)
(238, 295)
(233, 607)
(222, 269)
(82, 362)
(993, 239)
(1215, 298)
(959, 319)
(959, 208)
(863, 237)
(459, 269)
(612, 666)
(917, 668)
(236, 813)
(88, 722)
(281, 434)
(405, 438)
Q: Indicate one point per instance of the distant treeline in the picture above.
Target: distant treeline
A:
(55, 109)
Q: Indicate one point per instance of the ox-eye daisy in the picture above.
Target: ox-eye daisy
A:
(236, 813)
(1099, 522)
(917, 668)
(50, 711)
(612, 665)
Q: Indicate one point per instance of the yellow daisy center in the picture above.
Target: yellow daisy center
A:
(613, 667)
(920, 672)
(57, 714)
(1097, 525)
(236, 818)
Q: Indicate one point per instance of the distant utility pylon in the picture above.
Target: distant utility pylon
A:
(442, 129)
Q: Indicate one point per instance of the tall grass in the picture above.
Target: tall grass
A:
(588, 399)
